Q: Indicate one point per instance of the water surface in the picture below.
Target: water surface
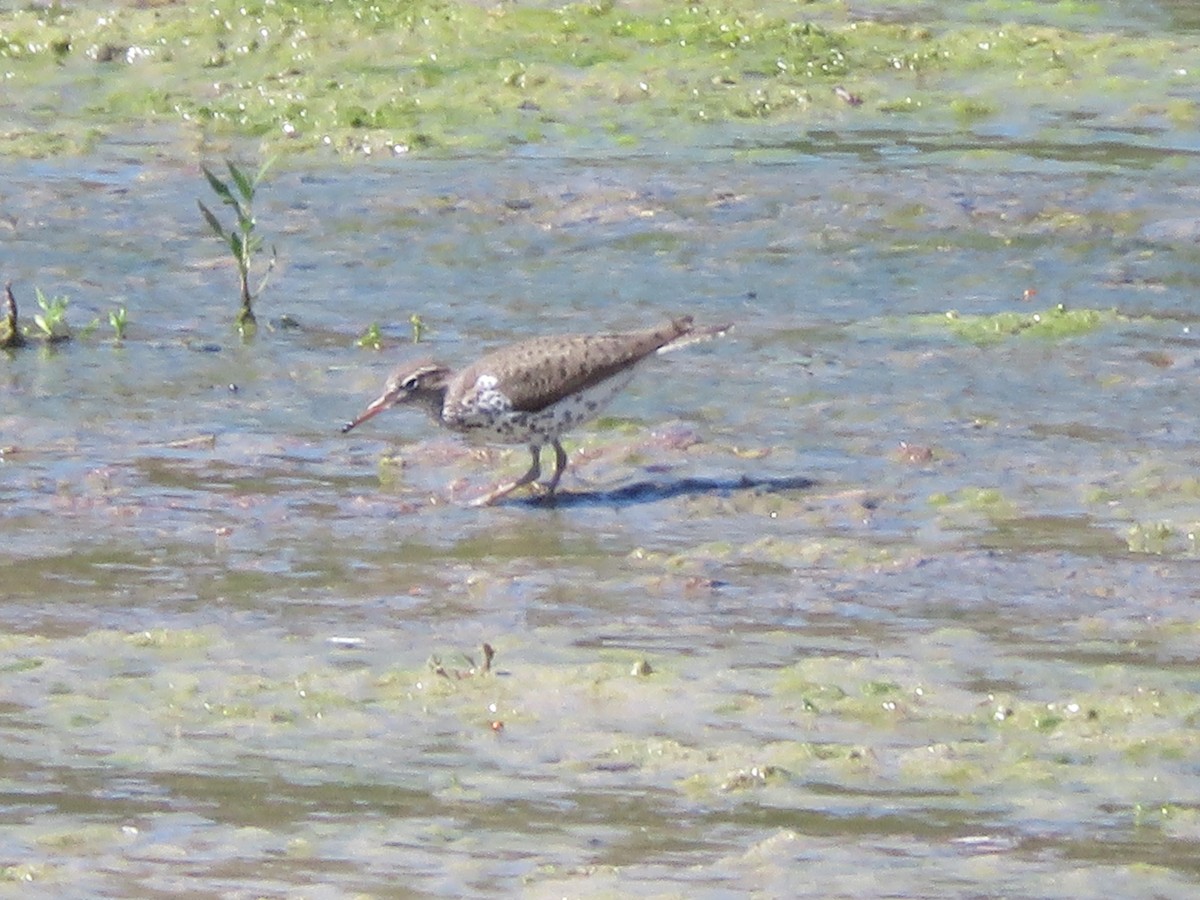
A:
(844, 593)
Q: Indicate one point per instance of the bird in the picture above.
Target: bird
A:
(533, 391)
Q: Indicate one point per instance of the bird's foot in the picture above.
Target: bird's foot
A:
(490, 497)
(498, 493)
(542, 491)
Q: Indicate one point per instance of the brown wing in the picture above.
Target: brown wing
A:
(536, 373)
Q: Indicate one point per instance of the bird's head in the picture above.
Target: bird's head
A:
(423, 384)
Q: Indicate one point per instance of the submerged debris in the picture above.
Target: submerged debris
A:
(755, 776)
(435, 665)
(10, 333)
(847, 97)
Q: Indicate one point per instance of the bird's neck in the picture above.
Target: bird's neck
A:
(430, 398)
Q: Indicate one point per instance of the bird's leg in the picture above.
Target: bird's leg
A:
(560, 463)
(503, 490)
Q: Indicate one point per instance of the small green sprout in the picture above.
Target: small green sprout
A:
(418, 327)
(372, 338)
(52, 320)
(243, 242)
(117, 320)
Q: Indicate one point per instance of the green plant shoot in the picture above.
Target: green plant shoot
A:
(372, 338)
(117, 320)
(52, 320)
(242, 240)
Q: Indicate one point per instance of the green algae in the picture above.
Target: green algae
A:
(974, 501)
(1056, 323)
(881, 723)
(1159, 504)
(170, 640)
(461, 76)
(1149, 537)
(21, 665)
(781, 554)
(28, 872)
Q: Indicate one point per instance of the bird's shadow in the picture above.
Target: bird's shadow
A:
(652, 492)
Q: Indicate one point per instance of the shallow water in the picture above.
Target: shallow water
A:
(916, 610)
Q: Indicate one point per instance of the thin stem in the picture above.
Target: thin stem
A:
(10, 334)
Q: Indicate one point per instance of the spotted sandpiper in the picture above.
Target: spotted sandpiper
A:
(533, 391)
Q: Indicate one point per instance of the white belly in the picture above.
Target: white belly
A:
(493, 419)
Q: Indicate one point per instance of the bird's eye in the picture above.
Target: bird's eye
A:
(409, 383)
